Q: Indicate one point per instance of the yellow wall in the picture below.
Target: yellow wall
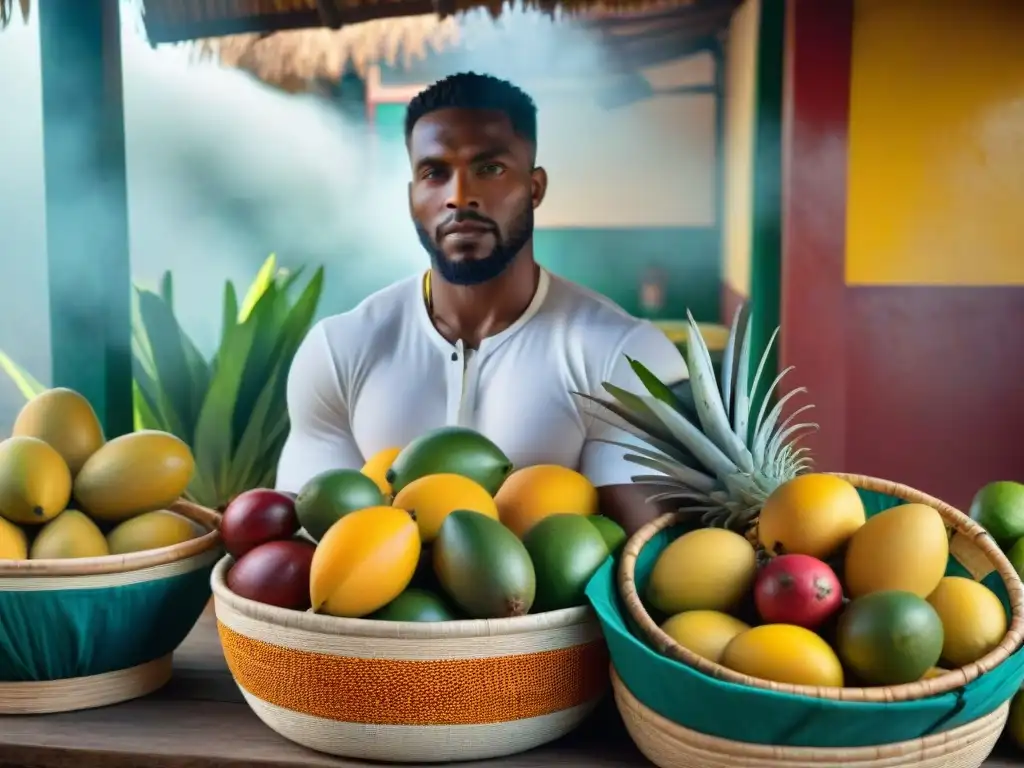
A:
(936, 174)
(741, 79)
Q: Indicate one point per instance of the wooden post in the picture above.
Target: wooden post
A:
(87, 205)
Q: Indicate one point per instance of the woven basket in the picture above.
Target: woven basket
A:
(412, 692)
(682, 710)
(669, 745)
(88, 632)
(969, 544)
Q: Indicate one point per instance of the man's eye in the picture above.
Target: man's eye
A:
(491, 169)
(430, 174)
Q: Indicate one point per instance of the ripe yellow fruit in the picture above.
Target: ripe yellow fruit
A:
(150, 530)
(13, 542)
(532, 493)
(973, 619)
(363, 562)
(706, 633)
(905, 548)
(707, 569)
(64, 419)
(432, 498)
(69, 535)
(377, 466)
(783, 653)
(812, 514)
(35, 482)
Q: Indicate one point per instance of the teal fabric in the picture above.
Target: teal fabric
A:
(742, 713)
(56, 634)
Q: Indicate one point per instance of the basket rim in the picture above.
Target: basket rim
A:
(133, 561)
(949, 681)
(410, 630)
(744, 749)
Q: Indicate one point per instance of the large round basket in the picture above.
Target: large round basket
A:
(707, 704)
(669, 745)
(412, 692)
(88, 632)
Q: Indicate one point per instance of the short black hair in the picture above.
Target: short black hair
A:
(469, 90)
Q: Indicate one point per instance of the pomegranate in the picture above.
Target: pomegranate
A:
(797, 589)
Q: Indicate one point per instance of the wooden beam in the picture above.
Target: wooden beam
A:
(87, 205)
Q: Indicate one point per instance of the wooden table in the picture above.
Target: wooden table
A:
(199, 720)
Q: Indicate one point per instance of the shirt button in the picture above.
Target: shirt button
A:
(455, 357)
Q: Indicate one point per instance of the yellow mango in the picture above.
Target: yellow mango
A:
(13, 542)
(150, 530)
(70, 534)
(377, 466)
(35, 482)
(432, 498)
(532, 493)
(364, 561)
(64, 419)
(135, 473)
(709, 569)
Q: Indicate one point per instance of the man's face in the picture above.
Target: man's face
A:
(472, 193)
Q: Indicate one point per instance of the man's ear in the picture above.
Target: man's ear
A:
(538, 185)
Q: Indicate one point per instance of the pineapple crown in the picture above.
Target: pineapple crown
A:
(706, 451)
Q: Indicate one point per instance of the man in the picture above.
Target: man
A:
(487, 338)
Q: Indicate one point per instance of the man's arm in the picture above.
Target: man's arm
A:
(320, 438)
(604, 464)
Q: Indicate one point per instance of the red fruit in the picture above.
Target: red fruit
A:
(797, 589)
(275, 573)
(256, 517)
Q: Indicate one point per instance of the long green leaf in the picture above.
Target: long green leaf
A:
(142, 410)
(167, 290)
(175, 401)
(23, 380)
(214, 433)
(252, 455)
(264, 279)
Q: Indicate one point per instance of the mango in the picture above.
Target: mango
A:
(566, 551)
(973, 619)
(150, 530)
(135, 473)
(377, 466)
(784, 653)
(708, 569)
(905, 548)
(331, 495)
(13, 542)
(64, 419)
(450, 450)
(813, 514)
(35, 482)
(483, 567)
(69, 535)
(532, 493)
(432, 498)
(705, 633)
(363, 562)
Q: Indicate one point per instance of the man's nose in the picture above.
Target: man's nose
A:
(462, 192)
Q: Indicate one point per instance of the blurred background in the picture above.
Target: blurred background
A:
(851, 167)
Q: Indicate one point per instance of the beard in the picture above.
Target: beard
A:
(476, 271)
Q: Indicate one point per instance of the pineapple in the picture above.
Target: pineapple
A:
(706, 451)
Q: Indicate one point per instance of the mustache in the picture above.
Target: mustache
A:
(466, 215)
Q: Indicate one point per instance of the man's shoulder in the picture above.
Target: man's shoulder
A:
(594, 314)
(379, 311)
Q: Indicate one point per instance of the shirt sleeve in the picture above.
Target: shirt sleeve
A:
(601, 463)
(321, 436)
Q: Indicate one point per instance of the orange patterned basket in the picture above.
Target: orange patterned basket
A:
(412, 691)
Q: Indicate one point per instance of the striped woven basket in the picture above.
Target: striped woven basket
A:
(88, 632)
(403, 692)
(975, 721)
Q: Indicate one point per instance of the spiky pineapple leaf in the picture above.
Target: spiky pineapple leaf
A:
(729, 356)
(655, 386)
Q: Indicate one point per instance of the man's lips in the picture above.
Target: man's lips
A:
(467, 229)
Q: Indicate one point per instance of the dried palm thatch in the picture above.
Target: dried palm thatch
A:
(7, 11)
(324, 54)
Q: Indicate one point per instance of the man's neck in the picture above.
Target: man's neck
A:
(474, 312)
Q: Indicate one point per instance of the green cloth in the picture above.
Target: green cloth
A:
(742, 713)
(56, 634)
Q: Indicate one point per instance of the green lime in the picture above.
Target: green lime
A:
(999, 509)
(1015, 555)
(610, 531)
